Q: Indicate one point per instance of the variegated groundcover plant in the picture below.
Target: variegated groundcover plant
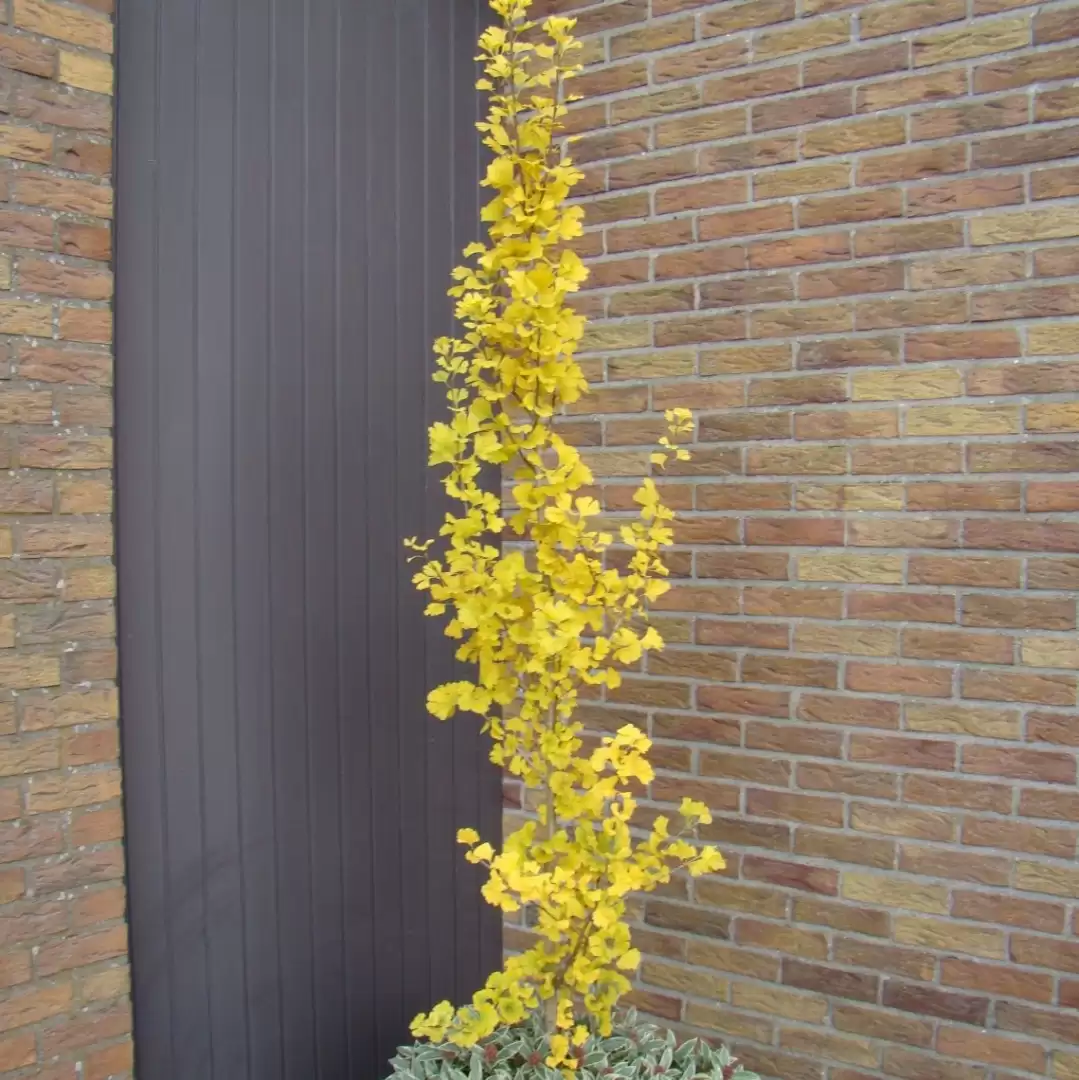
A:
(633, 1051)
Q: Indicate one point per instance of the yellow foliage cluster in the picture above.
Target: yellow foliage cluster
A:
(541, 619)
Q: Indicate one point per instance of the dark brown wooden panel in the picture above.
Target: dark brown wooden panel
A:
(295, 180)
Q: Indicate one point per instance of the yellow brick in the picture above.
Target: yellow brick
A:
(28, 670)
(1050, 652)
(61, 792)
(803, 180)
(89, 583)
(976, 40)
(949, 936)
(727, 1023)
(811, 34)
(895, 821)
(618, 463)
(984, 268)
(1049, 224)
(7, 632)
(1047, 878)
(963, 420)
(743, 359)
(890, 891)
(1065, 1066)
(5, 271)
(87, 72)
(901, 385)
(632, 335)
(684, 980)
(879, 569)
(823, 1044)
(1053, 339)
(104, 985)
(849, 497)
(766, 999)
(20, 756)
(64, 23)
(25, 143)
(880, 19)
(658, 365)
(798, 460)
(594, 51)
(23, 317)
(960, 720)
(855, 641)
(1053, 416)
(71, 709)
(864, 133)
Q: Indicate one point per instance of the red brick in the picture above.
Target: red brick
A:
(946, 196)
(918, 680)
(862, 206)
(730, 88)
(927, 1001)
(879, 1024)
(859, 63)
(1033, 67)
(958, 645)
(1053, 727)
(783, 939)
(703, 195)
(1062, 955)
(824, 284)
(791, 875)
(841, 916)
(906, 606)
(1018, 836)
(1013, 686)
(913, 1066)
(749, 154)
(834, 982)
(903, 751)
(1002, 981)
(1022, 536)
(955, 865)
(1038, 1023)
(911, 90)
(806, 108)
(907, 962)
(962, 345)
(861, 712)
(848, 781)
(837, 847)
(793, 739)
(988, 907)
(746, 15)
(696, 128)
(1047, 766)
(967, 118)
(992, 1049)
(702, 61)
(982, 571)
(1025, 148)
(811, 809)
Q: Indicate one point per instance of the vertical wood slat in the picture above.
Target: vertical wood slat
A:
(295, 180)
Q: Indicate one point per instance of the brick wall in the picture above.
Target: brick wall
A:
(847, 235)
(63, 979)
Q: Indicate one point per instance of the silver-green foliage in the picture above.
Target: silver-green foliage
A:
(634, 1051)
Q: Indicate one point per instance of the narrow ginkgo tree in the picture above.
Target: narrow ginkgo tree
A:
(545, 612)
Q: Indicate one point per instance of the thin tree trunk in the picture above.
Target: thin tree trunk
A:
(550, 1006)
